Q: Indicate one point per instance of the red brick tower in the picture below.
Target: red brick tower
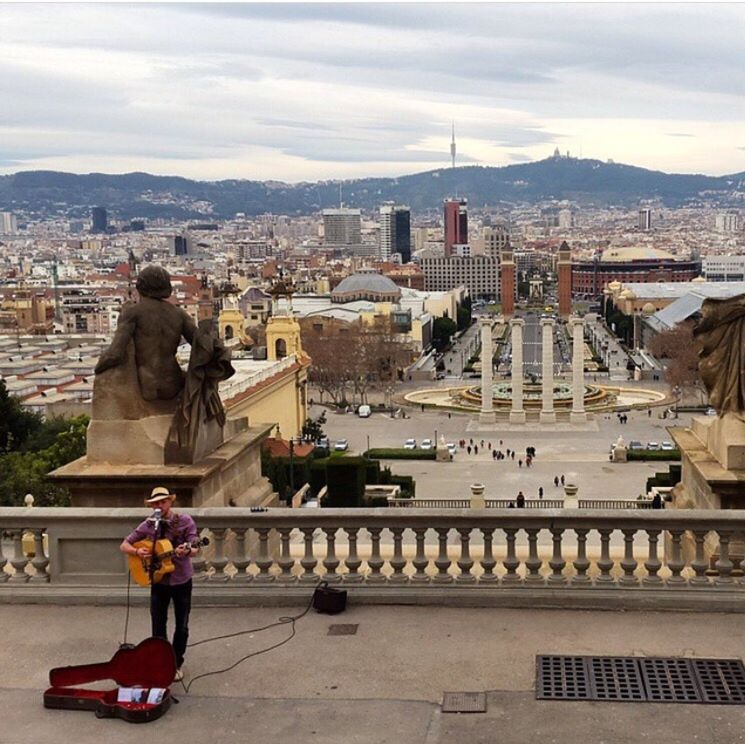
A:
(564, 270)
(456, 223)
(507, 281)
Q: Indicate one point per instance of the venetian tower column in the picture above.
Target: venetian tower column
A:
(487, 415)
(547, 405)
(578, 415)
(517, 414)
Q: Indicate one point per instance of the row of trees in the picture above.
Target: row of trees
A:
(350, 359)
(678, 350)
(30, 448)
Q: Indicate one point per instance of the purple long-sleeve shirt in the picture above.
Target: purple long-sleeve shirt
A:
(179, 529)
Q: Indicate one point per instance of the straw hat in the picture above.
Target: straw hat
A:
(159, 493)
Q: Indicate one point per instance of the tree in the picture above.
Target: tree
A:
(678, 349)
(313, 428)
(464, 314)
(443, 330)
(16, 424)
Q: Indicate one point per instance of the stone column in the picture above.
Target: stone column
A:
(487, 415)
(578, 415)
(547, 363)
(517, 414)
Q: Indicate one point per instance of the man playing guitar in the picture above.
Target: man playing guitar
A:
(181, 530)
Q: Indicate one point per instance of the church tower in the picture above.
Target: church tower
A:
(282, 329)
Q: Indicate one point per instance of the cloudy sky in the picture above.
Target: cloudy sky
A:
(310, 92)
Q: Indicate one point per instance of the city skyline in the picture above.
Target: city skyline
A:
(313, 92)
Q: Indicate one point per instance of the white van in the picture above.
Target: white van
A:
(364, 411)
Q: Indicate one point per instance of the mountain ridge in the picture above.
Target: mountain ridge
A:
(141, 194)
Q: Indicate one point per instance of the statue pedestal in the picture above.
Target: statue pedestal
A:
(231, 475)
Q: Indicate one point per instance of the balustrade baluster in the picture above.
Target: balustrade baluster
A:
(488, 562)
(219, 560)
(442, 561)
(330, 561)
(511, 561)
(353, 560)
(398, 562)
(676, 563)
(534, 563)
(420, 561)
(241, 561)
(308, 561)
(628, 562)
(465, 562)
(19, 561)
(285, 561)
(557, 561)
(723, 565)
(653, 564)
(40, 560)
(199, 565)
(699, 564)
(605, 563)
(375, 561)
(264, 560)
(582, 562)
(3, 560)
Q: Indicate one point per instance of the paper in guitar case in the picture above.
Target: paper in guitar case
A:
(143, 675)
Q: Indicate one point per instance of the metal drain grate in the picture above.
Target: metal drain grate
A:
(464, 702)
(637, 679)
(669, 681)
(722, 681)
(339, 629)
(562, 678)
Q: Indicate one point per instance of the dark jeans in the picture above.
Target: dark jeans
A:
(160, 597)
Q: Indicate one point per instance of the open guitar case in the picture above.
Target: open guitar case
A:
(150, 664)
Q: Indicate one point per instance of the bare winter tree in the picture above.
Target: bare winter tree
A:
(678, 350)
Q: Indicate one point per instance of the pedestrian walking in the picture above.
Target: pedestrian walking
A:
(520, 500)
(468, 449)
(501, 442)
(482, 444)
(519, 463)
(475, 449)
(649, 413)
(556, 481)
(508, 452)
(494, 454)
(562, 479)
(540, 492)
(513, 454)
(489, 445)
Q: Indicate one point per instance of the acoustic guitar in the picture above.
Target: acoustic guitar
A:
(139, 567)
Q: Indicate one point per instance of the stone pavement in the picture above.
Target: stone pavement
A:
(382, 685)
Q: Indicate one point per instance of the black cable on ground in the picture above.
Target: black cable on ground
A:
(124, 643)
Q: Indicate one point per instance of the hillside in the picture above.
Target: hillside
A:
(144, 195)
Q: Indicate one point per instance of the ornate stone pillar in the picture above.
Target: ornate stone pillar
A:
(547, 404)
(487, 415)
(578, 414)
(517, 414)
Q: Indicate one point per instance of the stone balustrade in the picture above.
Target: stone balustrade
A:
(515, 557)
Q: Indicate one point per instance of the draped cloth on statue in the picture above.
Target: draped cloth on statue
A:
(721, 334)
(200, 408)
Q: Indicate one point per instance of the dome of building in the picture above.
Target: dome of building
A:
(366, 285)
(641, 253)
(699, 280)
(648, 309)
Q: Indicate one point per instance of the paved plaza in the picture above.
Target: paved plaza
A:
(382, 685)
(581, 454)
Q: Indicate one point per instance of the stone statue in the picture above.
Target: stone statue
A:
(156, 327)
(144, 408)
(721, 335)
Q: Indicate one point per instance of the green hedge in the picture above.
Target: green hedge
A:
(653, 454)
(668, 479)
(345, 478)
(399, 453)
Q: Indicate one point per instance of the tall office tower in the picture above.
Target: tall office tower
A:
(456, 223)
(566, 219)
(507, 284)
(342, 226)
(180, 245)
(99, 219)
(645, 219)
(496, 239)
(728, 222)
(395, 232)
(564, 267)
(8, 224)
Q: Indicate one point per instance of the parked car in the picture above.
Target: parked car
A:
(653, 445)
(426, 444)
(323, 442)
(635, 445)
(452, 449)
(667, 446)
(410, 444)
(364, 411)
(711, 411)
(342, 445)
